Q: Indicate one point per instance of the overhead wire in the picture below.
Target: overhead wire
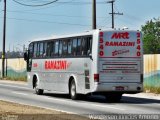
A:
(105, 25)
(71, 2)
(103, 21)
(48, 6)
(33, 20)
(61, 15)
(127, 16)
(38, 5)
(80, 3)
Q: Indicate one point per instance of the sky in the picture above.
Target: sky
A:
(25, 23)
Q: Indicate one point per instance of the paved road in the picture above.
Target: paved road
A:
(20, 93)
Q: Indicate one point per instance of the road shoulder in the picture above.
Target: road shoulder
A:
(144, 95)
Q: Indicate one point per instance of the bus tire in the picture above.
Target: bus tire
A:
(72, 90)
(113, 97)
(37, 90)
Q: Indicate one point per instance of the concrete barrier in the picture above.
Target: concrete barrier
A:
(152, 70)
(16, 67)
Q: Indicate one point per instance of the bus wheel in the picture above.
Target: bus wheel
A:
(113, 97)
(38, 91)
(72, 90)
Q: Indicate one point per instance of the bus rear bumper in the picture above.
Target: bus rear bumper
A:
(119, 87)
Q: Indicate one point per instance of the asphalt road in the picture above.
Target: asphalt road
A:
(21, 93)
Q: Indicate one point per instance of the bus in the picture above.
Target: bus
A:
(105, 62)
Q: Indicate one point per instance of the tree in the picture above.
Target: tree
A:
(151, 36)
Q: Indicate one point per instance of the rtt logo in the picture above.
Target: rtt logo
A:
(122, 35)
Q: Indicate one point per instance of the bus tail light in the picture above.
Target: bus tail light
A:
(96, 77)
(141, 78)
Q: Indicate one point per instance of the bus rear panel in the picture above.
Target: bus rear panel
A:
(120, 63)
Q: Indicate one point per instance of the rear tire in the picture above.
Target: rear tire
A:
(72, 90)
(37, 90)
(113, 97)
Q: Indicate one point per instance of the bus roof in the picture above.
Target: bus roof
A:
(91, 32)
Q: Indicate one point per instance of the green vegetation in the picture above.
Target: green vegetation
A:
(152, 89)
(16, 75)
(15, 78)
(151, 45)
(152, 84)
(151, 36)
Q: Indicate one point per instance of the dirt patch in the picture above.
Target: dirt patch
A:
(14, 111)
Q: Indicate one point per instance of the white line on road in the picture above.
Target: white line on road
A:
(157, 104)
(56, 99)
(15, 86)
(19, 93)
(111, 107)
(102, 106)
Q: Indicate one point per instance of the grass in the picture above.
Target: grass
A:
(151, 89)
(15, 78)
(152, 84)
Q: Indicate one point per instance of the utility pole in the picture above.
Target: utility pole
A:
(113, 13)
(4, 41)
(93, 14)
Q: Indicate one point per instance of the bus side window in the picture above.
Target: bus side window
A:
(69, 47)
(84, 46)
(38, 50)
(89, 45)
(56, 46)
(44, 49)
(49, 49)
(52, 48)
(41, 50)
(60, 48)
(65, 48)
(31, 50)
(35, 50)
(74, 47)
(79, 47)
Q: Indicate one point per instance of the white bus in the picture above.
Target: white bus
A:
(106, 62)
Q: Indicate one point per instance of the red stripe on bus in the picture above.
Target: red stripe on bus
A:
(119, 57)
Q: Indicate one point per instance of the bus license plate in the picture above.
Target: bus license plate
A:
(119, 88)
